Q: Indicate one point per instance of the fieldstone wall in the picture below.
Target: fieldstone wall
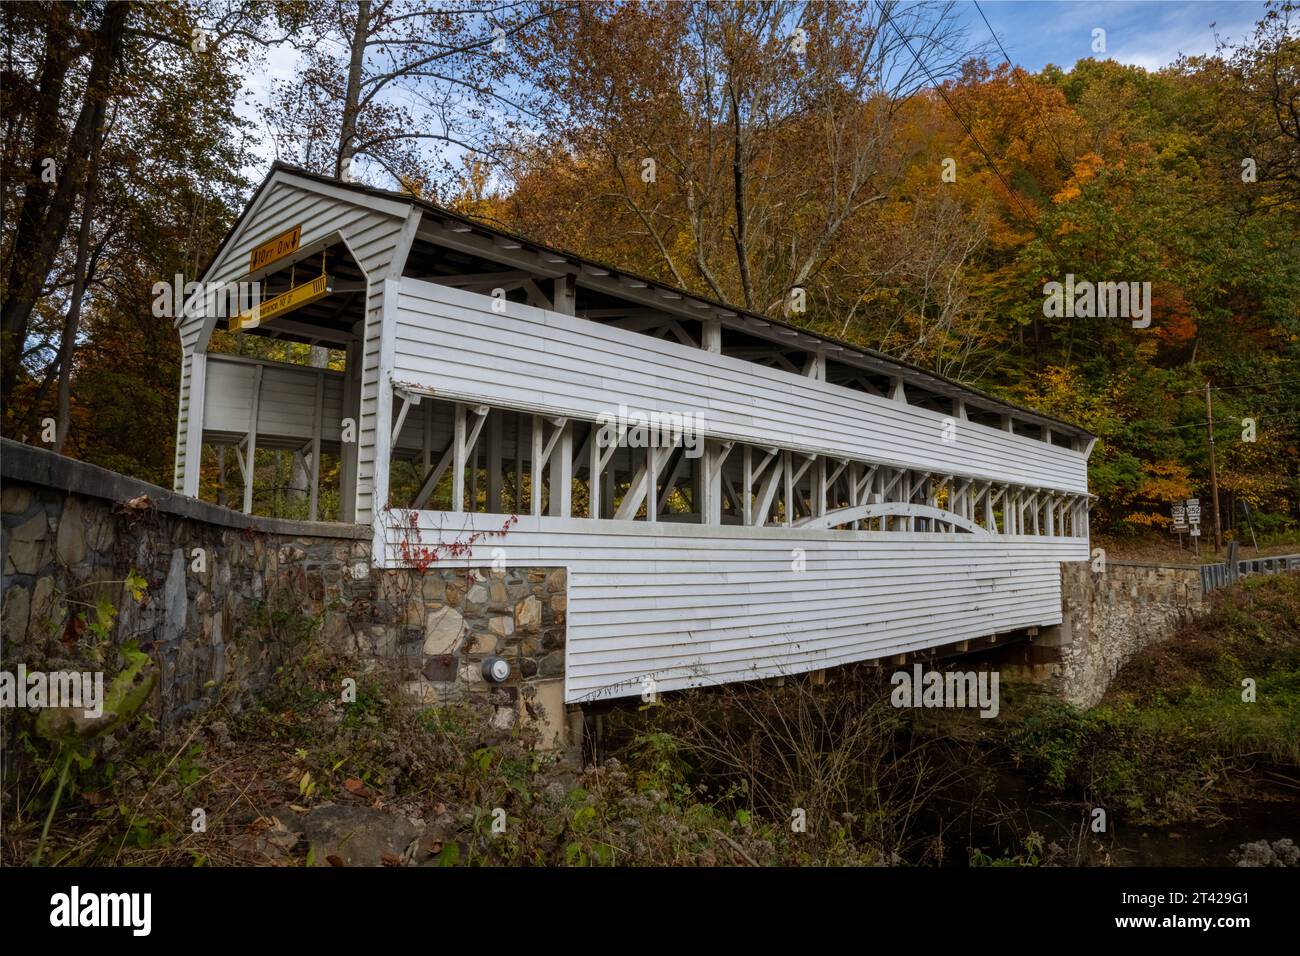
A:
(220, 600)
(449, 620)
(1108, 616)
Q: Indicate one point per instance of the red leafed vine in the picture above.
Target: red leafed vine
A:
(421, 556)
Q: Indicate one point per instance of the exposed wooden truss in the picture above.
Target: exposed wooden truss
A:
(721, 481)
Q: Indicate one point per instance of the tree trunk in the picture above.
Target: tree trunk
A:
(43, 224)
(68, 346)
(352, 99)
(739, 230)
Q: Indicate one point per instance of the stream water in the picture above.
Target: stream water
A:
(1019, 811)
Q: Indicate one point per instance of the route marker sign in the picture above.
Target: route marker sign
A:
(1180, 517)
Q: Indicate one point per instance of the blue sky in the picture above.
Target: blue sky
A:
(1146, 33)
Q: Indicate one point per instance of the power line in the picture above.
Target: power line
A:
(1032, 102)
(1228, 388)
(1227, 421)
(966, 126)
(1225, 388)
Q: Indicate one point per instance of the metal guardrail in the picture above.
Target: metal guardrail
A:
(1219, 575)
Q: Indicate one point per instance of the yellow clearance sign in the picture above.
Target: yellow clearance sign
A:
(296, 297)
(276, 248)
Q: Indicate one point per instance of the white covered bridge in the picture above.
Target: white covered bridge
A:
(732, 497)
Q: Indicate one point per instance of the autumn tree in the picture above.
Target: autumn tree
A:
(407, 87)
(738, 142)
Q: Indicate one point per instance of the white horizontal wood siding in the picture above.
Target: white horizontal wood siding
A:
(287, 407)
(372, 229)
(452, 342)
(689, 605)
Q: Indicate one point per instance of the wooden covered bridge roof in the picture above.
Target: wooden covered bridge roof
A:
(701, 306)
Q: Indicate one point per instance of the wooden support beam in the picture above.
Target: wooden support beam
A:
(536, 296)
(921, 481)
(313, 503)
(426, 439)
(251, 441)
(645, 321)
(543, 449)
(767, 492)
(538, 465)
(752, 473)
(483, 280)
(814, 366)
(675, 329)
(897, 475)
(641, 490)
(787, 470)
(563, 294)
(817, 506)
(464, 439)
(711, 335)
(715, 456)
(239, 459)
(600, 485)
(495, 465)
(409, 399)
(561, 470)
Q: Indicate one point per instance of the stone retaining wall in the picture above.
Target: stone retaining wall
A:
(227, 598)
(1108, 616)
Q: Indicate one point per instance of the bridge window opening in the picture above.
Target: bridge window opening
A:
(980, 416)
(282, 486)
(761, 351)
(608, 309)
(464, 458)
(460, 269)
(1028, 429)
(858, 379)
(932, 401)
(512, 462)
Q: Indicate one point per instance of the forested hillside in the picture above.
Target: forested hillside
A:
(869, 170)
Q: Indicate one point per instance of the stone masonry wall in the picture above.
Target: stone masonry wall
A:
(452, 618)
(228, 598)
(1108, 616)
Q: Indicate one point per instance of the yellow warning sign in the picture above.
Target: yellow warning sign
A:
(276, 248)
(296, 297)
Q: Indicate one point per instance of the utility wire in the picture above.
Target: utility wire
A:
(1227, 421)
(966, 126)
(1227, 388)
(1032, 102)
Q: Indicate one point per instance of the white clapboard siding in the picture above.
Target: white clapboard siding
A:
(451, 341)
(287, 409)
(688, 605)
(370, 227)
